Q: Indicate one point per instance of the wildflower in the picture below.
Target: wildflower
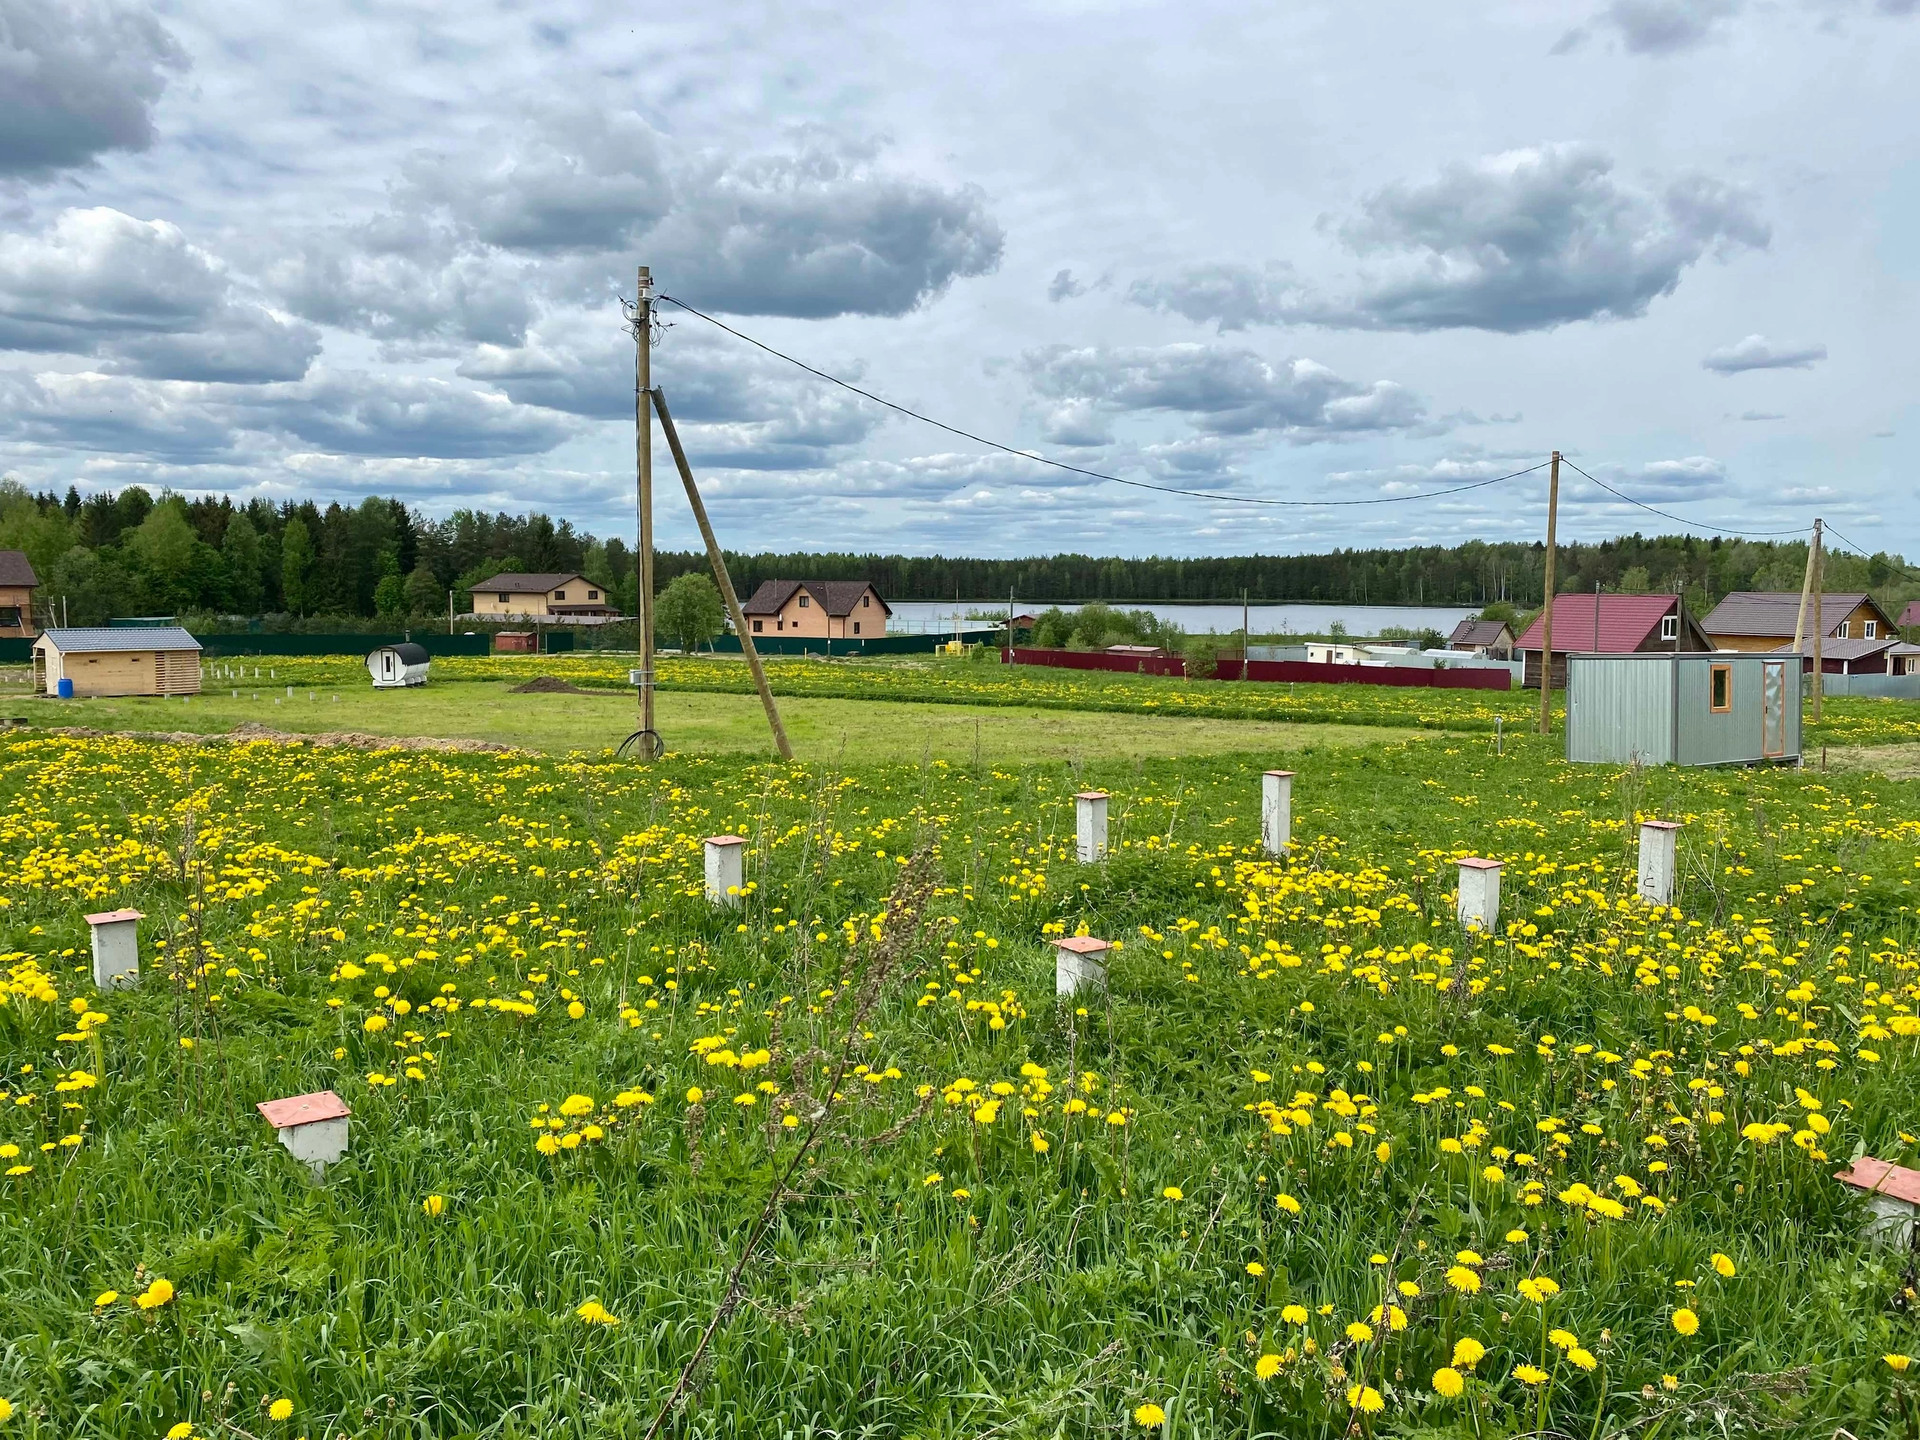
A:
(374, 1024)
(1267, 1366)
(1287, 1203)
(434, 1204)
(594, 1313)
(1463, 1280)
(181, 1431)
(1685, 1321)
(1516, 1237)
(1365, 1399)
(1669, 1382)
(156, 1294)
(1448, 1382)
(105, 1298)
(695, 1095)
(6, 1409)
(1898, 1363)
(1468, 1352)
(1582, 1357)
(575, 1010)
(1359, 1332)
(281, 1409)
(1172, 1192)
(1562, 1339)
(1256, 1269)
(1039, 1143)
(1538, 1288)
(1529, 1374)
(1149, 1415)
(1723, 1264)
(1294, 1314)
(576, 1105)
(547, 1145)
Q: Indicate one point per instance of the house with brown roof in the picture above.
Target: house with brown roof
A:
(555, 597)
(17, 584)
(1856, 634)
(817, 609)
(1609, 625)
(1489, 639)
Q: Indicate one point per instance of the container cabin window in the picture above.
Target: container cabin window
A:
(1670, 628)
(1722, 689)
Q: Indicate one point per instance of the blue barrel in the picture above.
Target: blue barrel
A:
(63, 688)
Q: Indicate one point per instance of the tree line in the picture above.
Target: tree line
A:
(133, 553)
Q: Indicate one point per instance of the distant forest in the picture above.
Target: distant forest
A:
(133, 553)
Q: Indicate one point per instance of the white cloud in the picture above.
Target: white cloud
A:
(79, 78)
(1756, 352)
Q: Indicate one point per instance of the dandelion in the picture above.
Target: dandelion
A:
(434, 1205)
(1267, 1366)
(1256, 1269)
(1468, 1352)
(1037, 1140)
(1294, 1314)
(594, 1313)
(6, 1409)
(1463, 1280)
(183, 1430)
(695, 1095)
(1516, 1237)
(1723, 1265)
(281, 1409)
(1529, 1374)
(1448, 1383)
(1582, 1357)
(1287, 1203)
(1685, 1321)
(1172, 1192)
(1898, 1363)
(1359, 1332)
(105, 1298)
(1149, 1415)
(1365, 1399)
(155, 1295)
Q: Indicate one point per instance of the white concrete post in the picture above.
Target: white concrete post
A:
(1657, 844)
(116, 947)
(1090, 824)
(1479, 907)
(726, 869)
(1276, 811)
(1080, 961)
(312, 1127)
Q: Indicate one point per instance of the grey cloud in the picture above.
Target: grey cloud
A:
(1525, 240)
(733, 407)
(1659, 27)
(138, 296)
(1076, 422)
(814, 231)
(1223, 390)
(1691, 478)
(1064, 287)
(343, 413)
(1756, 352)
(1759, 415)
(80, 78)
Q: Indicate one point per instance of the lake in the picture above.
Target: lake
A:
(922, 617)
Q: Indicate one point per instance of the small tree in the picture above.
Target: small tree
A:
(690, 610)
(296, 559)
(425, 596)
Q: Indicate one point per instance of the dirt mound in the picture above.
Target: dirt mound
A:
(549, 685)
(251, 730)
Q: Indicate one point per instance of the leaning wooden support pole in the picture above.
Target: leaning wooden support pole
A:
(720, 575)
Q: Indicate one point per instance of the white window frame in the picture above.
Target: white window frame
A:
(1670, 627)
(1870, 629)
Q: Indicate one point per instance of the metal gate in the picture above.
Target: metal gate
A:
(1773, 709)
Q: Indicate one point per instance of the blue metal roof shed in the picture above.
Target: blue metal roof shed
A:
(1718, 708)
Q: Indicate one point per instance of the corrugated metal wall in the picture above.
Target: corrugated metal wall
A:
(1620, 710)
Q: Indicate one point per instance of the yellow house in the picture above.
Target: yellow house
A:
(817, 610)
(540, 597)
(17, 584)
(1765, 619)
(161, 660)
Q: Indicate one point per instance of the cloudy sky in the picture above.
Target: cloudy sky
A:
(1326, 252)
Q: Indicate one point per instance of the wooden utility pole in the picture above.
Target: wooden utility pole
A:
(1819, 613)
(1806, 593)
(1546, 615)
(650, 743)
(721, 578)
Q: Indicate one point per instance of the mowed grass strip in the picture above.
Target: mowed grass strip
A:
(840, 731)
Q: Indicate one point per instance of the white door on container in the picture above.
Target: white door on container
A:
(1773, 709)
(386, 665)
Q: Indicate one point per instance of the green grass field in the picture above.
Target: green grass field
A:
(833, 1160)
(841, 731)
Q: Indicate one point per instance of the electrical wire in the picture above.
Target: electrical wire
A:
(1079, 470)
(1892, 565)
(1681, 519)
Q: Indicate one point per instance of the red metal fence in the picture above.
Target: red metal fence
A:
(1297, 671)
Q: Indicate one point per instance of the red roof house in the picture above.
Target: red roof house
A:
(1910, 615)
(1609, 625)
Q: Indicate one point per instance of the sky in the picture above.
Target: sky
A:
(1329, 252)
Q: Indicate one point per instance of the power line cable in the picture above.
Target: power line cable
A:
(1911, 575)
(1076, 469)
(1681, 519)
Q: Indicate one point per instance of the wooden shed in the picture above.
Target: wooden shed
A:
(157, 660)
(394, 667)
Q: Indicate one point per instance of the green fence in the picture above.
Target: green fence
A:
(244, 644)
(16, 650)
(814, 645)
